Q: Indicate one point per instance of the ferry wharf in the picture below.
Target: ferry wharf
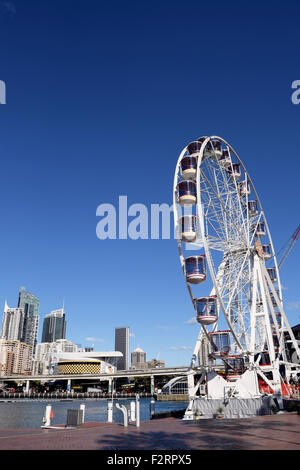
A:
(270, 432)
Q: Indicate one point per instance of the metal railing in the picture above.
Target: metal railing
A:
(69, 395)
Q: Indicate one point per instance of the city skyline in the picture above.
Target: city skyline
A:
(100, 106)
(53, 326)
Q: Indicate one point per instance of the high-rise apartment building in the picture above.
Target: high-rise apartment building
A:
(30, 305)
(54, 326)
(12, 323)
(15, 357)
(122, 345)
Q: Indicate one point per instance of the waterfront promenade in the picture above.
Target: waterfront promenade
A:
(271, 432)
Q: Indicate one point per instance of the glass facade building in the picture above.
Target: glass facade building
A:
(122, 345)
(30, 305)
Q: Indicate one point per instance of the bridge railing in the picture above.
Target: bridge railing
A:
(69, 395)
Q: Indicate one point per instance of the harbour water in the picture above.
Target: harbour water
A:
(29, 413)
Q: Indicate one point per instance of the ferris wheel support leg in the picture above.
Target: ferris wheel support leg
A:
(196, 350)
(189, 413)
(192, 390)
(276, 382)
(253, 316)
(192, 386)
(197, 346)
(280, 308)
(191, 383)
(263, 290)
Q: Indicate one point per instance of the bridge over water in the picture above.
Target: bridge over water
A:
(166, 371)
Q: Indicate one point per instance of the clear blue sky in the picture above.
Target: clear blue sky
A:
(101, 98)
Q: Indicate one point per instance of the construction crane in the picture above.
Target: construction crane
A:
(287, 248)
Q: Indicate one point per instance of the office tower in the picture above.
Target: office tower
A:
(54, 326)
(138, 358)
(15, 357)
(12, 323)
(122, 345)
(30, 305)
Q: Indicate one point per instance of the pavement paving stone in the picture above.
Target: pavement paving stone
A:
(272, 432)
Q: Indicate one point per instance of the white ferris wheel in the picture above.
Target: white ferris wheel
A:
(225, 244)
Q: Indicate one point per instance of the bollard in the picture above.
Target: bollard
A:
(152, 385)
(82, 407)
(132, 411)
(125, 413)
(109, 412)
(152, 407)
(48, 415)
(137, 407)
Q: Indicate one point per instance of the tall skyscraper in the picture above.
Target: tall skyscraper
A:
(122, 345)
(12, 323)
(54, 326)
(30, 305)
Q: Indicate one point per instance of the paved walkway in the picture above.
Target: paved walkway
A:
(273, 432)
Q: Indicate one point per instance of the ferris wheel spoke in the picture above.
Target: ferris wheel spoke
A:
(224, 210)
(210, 207)
(232, 201)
